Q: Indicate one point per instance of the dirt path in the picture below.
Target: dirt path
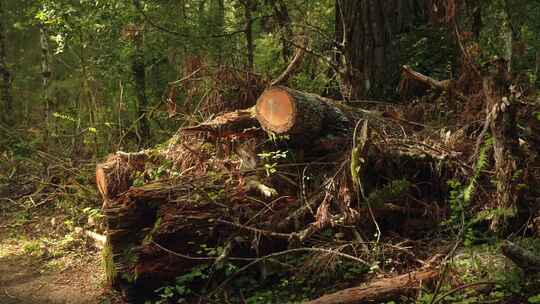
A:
(23, 280)
(33, 270)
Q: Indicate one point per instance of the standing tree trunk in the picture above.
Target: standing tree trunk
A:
(139, 77)
(249, 6)
(365, 30)
(46, 79)
(502, 106)
(5, 86)
(365, 40)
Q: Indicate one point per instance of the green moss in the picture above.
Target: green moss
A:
(108, 264)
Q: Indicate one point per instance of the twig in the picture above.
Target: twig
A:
(285, 252)
(256, 230)
(9, 296)
(365, 141)
(189, 257)
(185, 78)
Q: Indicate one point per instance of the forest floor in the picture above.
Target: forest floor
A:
(43, 260)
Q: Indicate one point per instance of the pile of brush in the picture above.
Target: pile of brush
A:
(258, 183)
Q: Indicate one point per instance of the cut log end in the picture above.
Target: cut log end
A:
(276, 110)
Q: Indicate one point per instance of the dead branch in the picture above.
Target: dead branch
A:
(291, 68)
(434, 84)
(379, 290)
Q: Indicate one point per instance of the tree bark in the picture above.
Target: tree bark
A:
(114, 176)
(5, 86)
(381, 290)
(366, 38)
(364, 30)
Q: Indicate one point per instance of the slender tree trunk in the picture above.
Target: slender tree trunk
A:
(46, 79)
(249, 6)
(216, 26)
(537, 67)
(91, 98)
(476, 11)
(139, 77)
(5, 85)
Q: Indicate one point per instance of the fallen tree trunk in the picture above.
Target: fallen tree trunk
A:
(241, 123)
(525, 259)
(385, 289)
(281, 110)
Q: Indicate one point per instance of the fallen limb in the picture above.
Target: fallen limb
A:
(409, 73)
(379, 290)
(291, 68)
(441, 85)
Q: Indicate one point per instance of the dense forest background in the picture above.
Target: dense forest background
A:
(84, 78)
(81, 79)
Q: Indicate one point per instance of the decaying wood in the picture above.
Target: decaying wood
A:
(99, 239)
(241, 122)
(379, 290)
(114, 175)
(523, 258)
(156, 229)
